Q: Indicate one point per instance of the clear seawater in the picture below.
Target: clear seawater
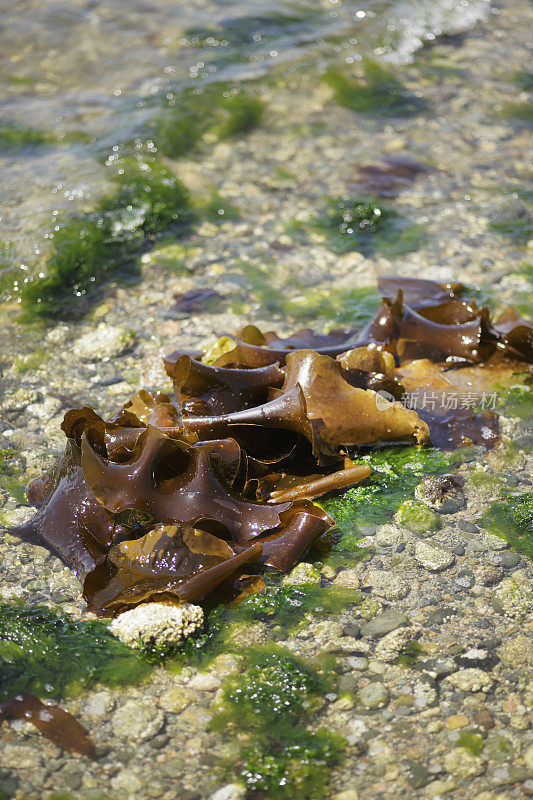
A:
(91, 74)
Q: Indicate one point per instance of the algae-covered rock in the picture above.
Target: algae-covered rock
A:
(301, 574)
(461, 763)
(417, 518)
(517, 653)
(442, 493)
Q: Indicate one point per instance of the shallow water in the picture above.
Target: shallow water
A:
(89, 74)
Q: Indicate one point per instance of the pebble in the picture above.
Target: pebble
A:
(386, 584)
(175, 700)
(470, 679)
(383, 623)
(433, 557)
(231, 791)
(389, 535)
(205, 682)
(99, 704)
(126, 782)
(136, 721)
(301, 575)
(457, 721)
(373, 696)
(475, 657)
(461, 763)
(506, 559)
(105, 342)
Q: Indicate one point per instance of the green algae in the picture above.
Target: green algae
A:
(212, 113)
(297, 767)
(511, 518)
(16, 138)
(395, 473)
(11, 468)
(378, 92)
(521, 112)
(409, 654)
(473, 742)
(288, 607)
(360, 224)
(90, 247)
(217, 209)
(271, 703)
(47, 652)
(417, 517)
(516, 400)
(276, 686)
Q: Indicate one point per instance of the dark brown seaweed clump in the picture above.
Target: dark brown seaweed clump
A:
(180, 495)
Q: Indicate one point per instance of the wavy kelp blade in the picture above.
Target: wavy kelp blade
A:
(350, 416)
(58, 725)
(517, 335)
(175, 482)
(285, 549)
(72, 523)
(473, 341)
(168, 563)
(418, 292)
(203, 389)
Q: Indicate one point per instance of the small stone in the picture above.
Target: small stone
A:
(513, 597)
(161, 624)
(389, 647)
(506, 559)
(417, 518)
(348, 578)
(491, 576)
(484, 719)
(226, 664)
(375, 695)
(441, 493)
(301, 575)
(389, 536)
(433, 557)
(438, 667)
(20, 756)
(173, 767)
(476, 657)
(358, 663)
(464, 579)
(99, 704)
(126, 782)
(205, 682)
(175, 700)
(347, 794)
(528, 757)
(384, 623)
(461, 763)
(243, 635)
(386, 584)
(456, 721)
(232, 791)
(470, 680)
(425, 692)
(370, 607)
(136, 721)
(104, 342)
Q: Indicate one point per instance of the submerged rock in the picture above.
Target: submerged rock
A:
(157, 624)
(417, 518)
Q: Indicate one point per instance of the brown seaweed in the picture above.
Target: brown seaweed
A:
(58, 725)
(178, 497)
